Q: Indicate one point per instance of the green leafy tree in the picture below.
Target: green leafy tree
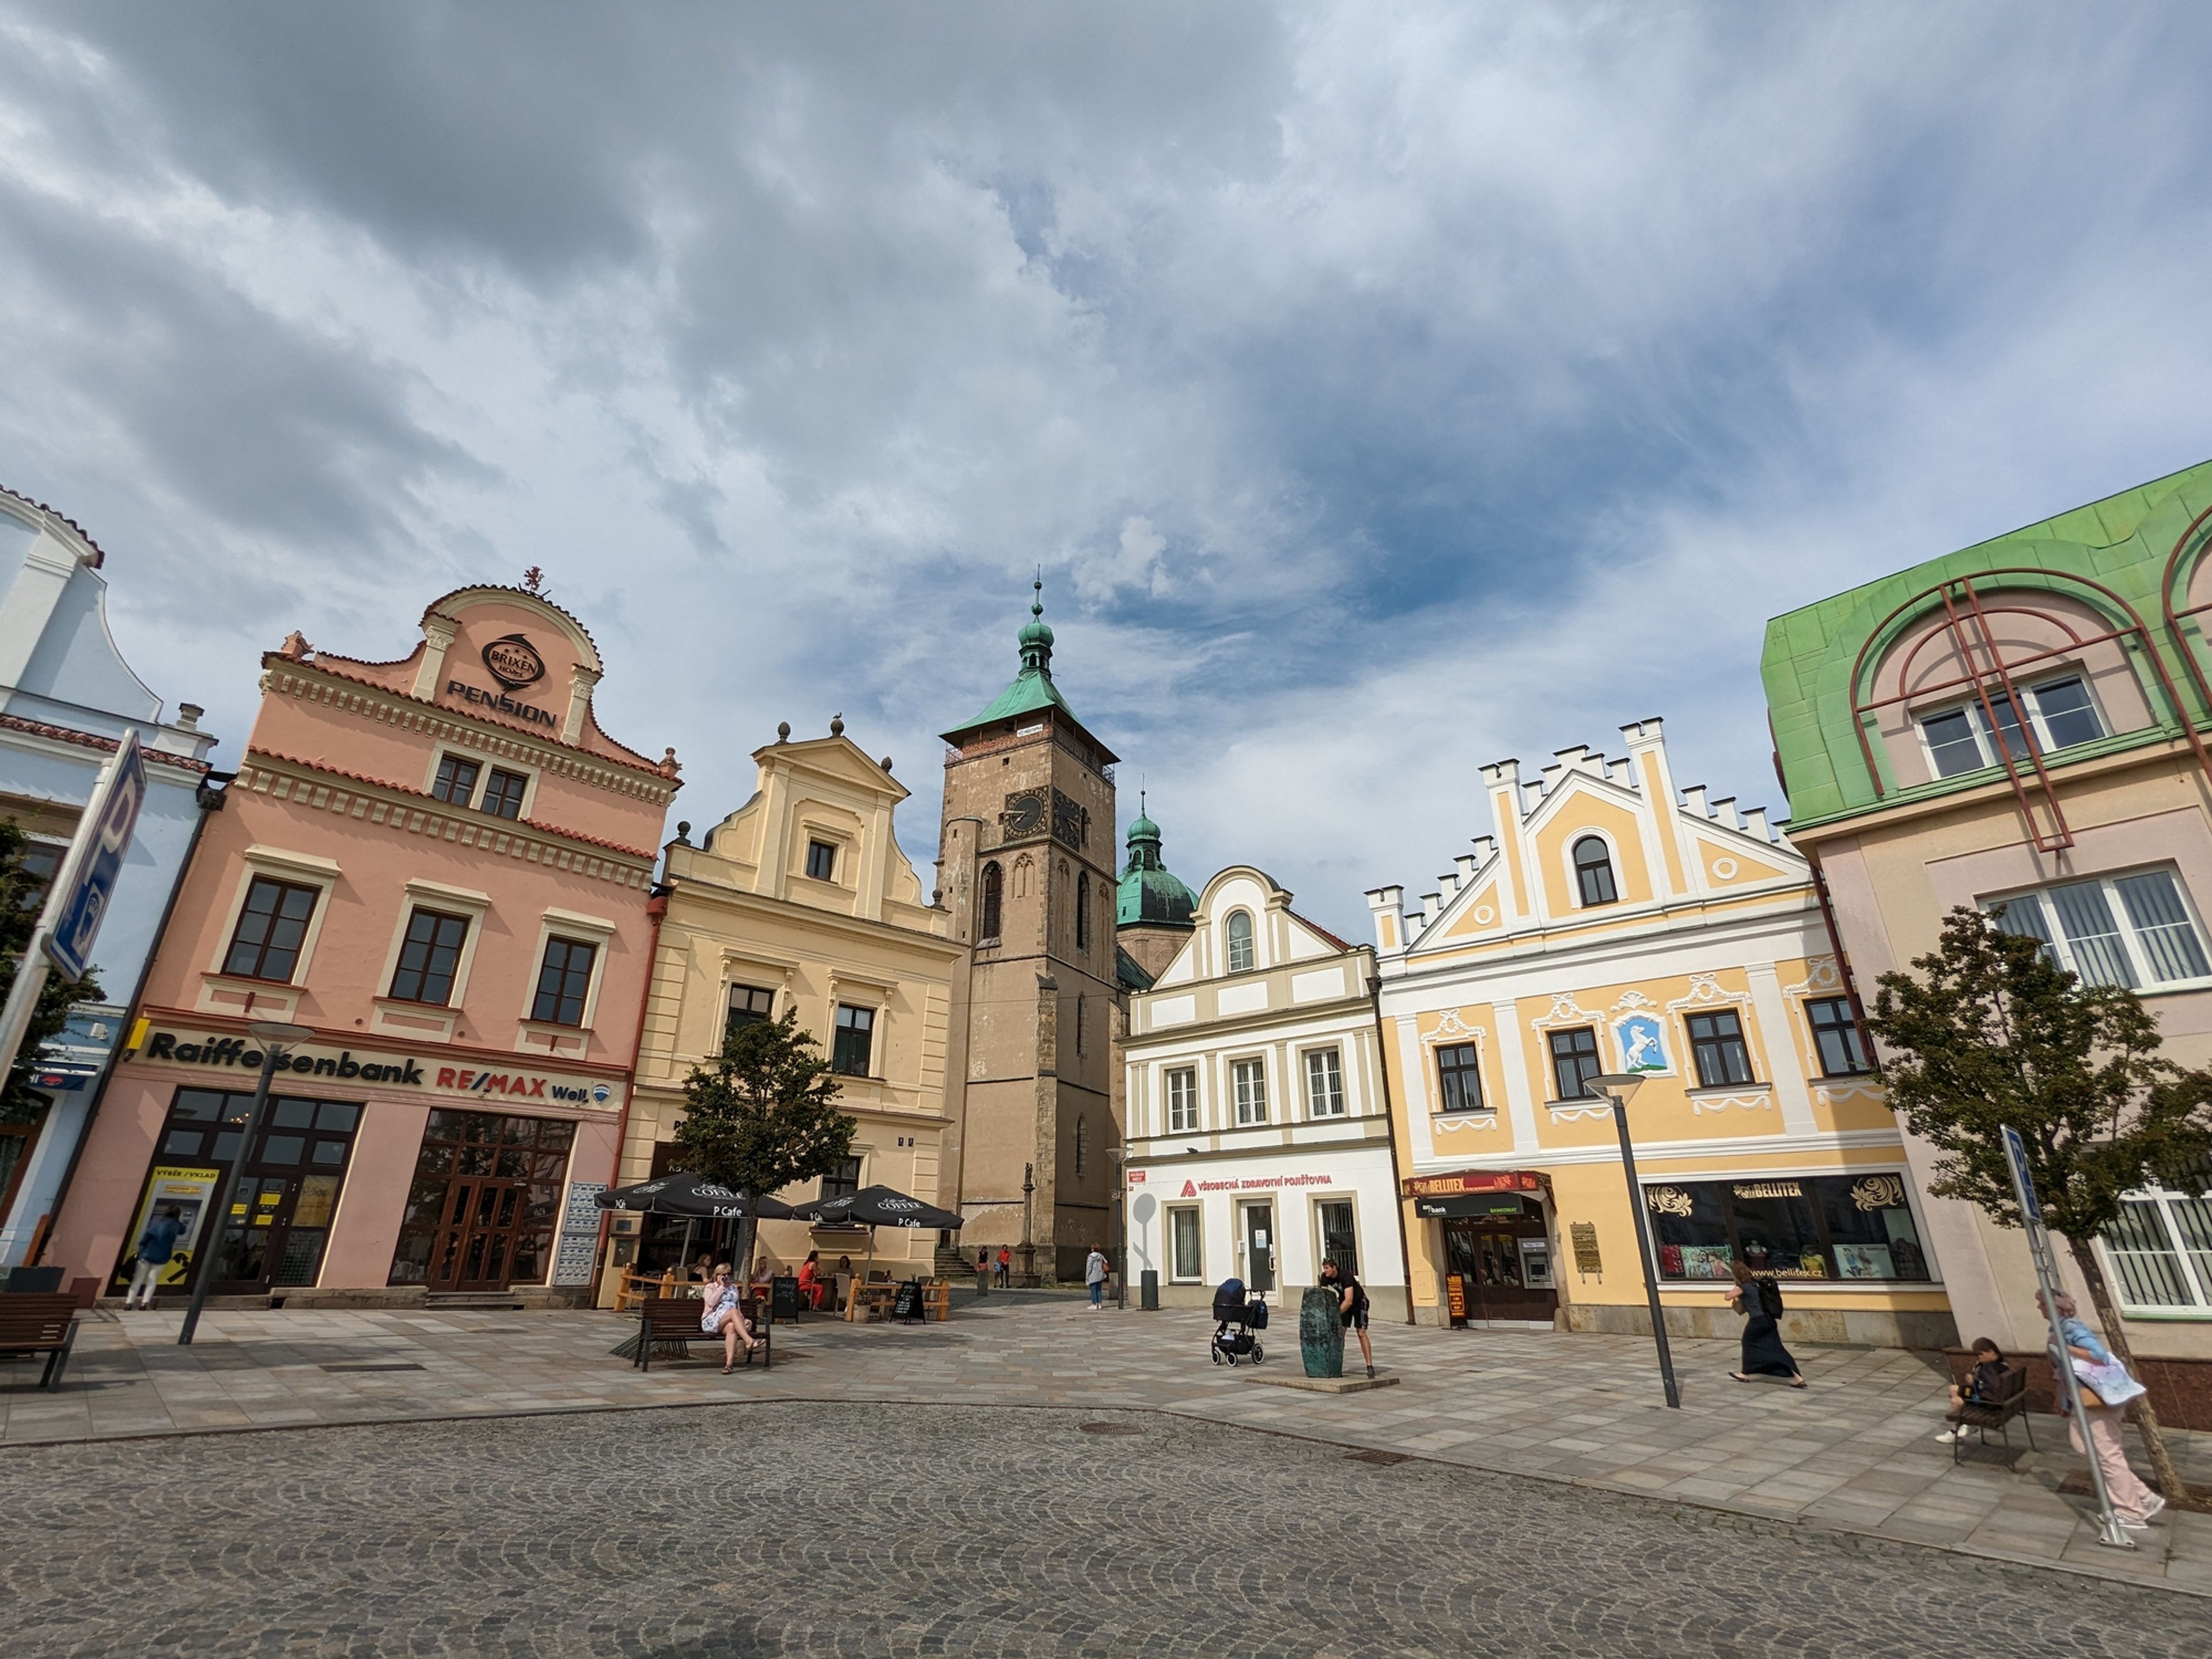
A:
(21, 894)
(1991, 1031)
(764, 1114)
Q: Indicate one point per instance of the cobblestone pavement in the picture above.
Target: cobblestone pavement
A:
(1854, 1452)
(835, 1529)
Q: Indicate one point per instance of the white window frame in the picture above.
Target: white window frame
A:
(2061, 947)
(1332, 1057)
(1229, 942)
(464, 901)
(1197, 1213)
(485, 764)
(1187, 1124)
(1351, 1201)
(582, 930)
(301, 870)
(1250, 1105)
(1977, 718)
(1592, 832)
(2196, 1274)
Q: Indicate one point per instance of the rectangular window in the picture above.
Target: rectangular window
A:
(456, 781)
(2061, 713)
(856, 1039)
(430, 956)
(821, 860)
(1251, 1080)
(41, 862)
(845, 1181)
(1183, 1261)
(1339, 1243)
(748, 1005)
(1806, 1227)
(563, 978)
(1574, 1062)
(2160, 1250)
(504, 790)
(271, 929)
(1843, 1051)
(2135, 930)
(1183, 1102)
(1459, 1078)
(1716, 1042)
(1324, 1083)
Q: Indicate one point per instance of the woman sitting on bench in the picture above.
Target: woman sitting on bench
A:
(722, 1317)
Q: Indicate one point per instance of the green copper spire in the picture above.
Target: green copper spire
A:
(1032, 691)
(1148, 894)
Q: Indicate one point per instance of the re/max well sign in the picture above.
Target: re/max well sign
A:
(237, 1054)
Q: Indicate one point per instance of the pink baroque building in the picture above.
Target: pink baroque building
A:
(442, 866)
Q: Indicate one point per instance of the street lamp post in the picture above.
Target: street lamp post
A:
(269, 1034)
(1121, 1235)
(1615, 1088)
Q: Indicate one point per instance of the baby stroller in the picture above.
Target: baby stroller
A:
(1235, 1319)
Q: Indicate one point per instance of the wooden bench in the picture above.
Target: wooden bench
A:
(1983, 1415)
(672, 1321)
(40, 1322)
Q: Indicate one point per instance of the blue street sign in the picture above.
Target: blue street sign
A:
(2023, 1181)
(96, 864)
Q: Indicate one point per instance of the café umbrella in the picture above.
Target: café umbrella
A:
(876, 1207)
(695, 1199)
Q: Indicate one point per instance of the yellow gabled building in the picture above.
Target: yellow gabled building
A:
(1614, 924)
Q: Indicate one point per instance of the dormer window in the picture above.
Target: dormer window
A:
(1594, 871)
(1240, 941)
(821, 860)
(1966, 739)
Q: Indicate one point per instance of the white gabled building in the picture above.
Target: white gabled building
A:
(1259, 1130)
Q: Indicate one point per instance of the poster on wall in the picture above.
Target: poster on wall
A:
(189, 1189)
(579, 1233)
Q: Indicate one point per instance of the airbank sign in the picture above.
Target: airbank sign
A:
(409, 1072)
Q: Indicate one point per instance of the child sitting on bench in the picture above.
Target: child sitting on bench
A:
(1981, 1389)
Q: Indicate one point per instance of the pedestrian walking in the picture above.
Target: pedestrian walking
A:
(1760, 1301)
(1351, 1304)
(1006, 1268)
(2105, 1390)
(1094, 1275)
(982, 1272)
(157, 1247)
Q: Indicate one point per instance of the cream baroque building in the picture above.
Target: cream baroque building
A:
(801, 899)
(1258, 1124)
(1615, 924)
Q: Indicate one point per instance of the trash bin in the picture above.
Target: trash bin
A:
(1148, 1290)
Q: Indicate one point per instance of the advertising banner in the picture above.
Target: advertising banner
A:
(190, 1188)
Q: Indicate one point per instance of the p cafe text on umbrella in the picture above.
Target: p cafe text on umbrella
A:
(695, 1199)
(876, 1206)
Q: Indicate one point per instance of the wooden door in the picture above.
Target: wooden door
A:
(474, 1250)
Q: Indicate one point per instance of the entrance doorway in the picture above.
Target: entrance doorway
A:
(1499, 1267)
(485, 1204)
(1260, 1247)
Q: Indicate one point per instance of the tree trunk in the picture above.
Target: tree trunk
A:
(2116, 1338)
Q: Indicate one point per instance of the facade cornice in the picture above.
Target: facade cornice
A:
(63, 738)
(383, 804)
(1676, 925)
(1334, 1014)
(700, 890)
(317, 682)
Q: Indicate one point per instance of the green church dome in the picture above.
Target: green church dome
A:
(1148, 894)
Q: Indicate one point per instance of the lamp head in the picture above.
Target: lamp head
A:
(1618, 1085)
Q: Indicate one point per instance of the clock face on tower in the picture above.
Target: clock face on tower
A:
(1024, 813)
(1070, 821)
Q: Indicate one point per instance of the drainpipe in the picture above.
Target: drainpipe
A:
(1836, 943)
(1389, 1122)
(209, 797)
(656, 906)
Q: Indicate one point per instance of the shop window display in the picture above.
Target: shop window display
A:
(1804, 1227)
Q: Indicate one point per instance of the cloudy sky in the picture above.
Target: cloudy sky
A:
(1384, 390)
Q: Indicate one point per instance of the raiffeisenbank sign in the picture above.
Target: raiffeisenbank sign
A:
(409, 1072)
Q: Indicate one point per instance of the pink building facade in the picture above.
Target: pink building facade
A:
(441, 866)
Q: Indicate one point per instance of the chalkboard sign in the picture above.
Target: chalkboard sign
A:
(783, 1298)
(908, 1304)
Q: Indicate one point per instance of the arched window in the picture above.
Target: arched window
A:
(1594, 871)
(987, 926)
(1082, 1142)
(1083, 911)
(1240, 941)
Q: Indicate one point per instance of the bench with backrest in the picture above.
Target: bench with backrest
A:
(40, 1322)
(1984, 1415)
(672, 1321)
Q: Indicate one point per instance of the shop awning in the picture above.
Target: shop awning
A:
(1460, 1182)
(1468, 1204)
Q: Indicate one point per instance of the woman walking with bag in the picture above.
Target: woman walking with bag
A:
(1760, 1301)
(2106, 1388)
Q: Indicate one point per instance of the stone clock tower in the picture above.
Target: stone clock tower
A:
(1026, 865)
